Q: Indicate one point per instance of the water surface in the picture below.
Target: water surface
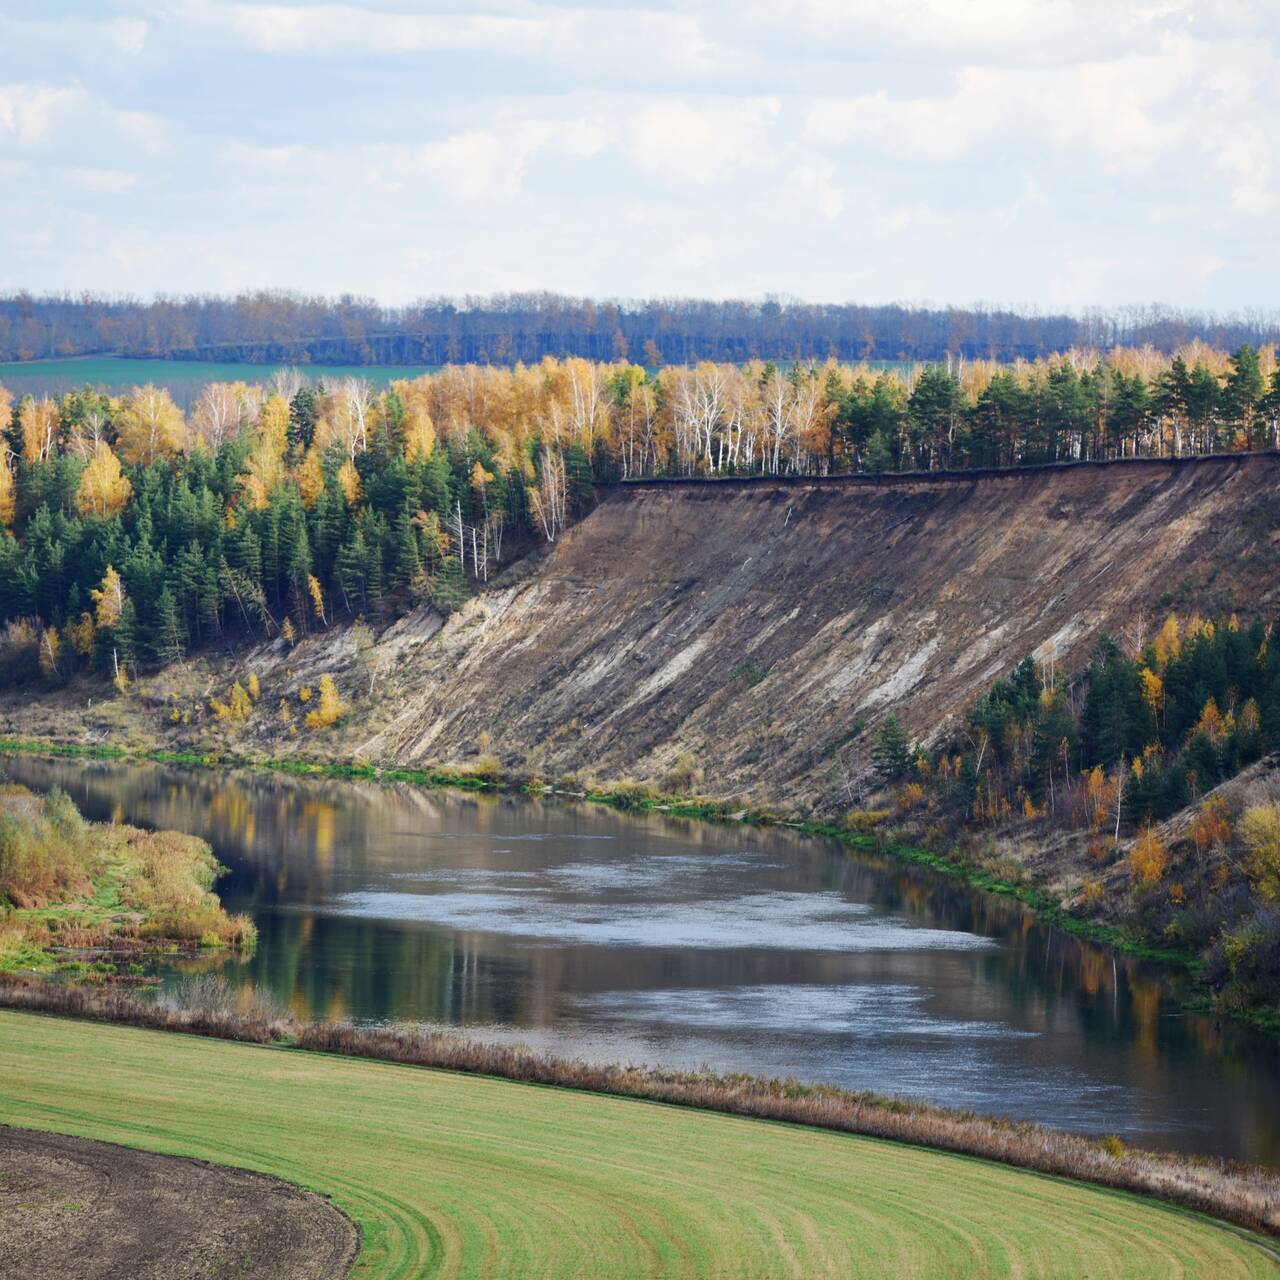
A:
(663, 941)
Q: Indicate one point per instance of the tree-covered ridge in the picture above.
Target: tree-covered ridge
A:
(1137, 736)
(270, 327)
(1146, 730)
(132, 532)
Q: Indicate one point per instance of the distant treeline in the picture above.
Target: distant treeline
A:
(270, 327)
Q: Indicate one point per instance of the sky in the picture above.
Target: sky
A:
(1041, 153)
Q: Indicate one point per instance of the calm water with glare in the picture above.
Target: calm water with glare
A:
(663, 941)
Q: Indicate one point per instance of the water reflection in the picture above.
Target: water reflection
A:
(665, 941)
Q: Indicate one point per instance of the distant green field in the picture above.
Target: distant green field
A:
(454, 1175)
(184, 378)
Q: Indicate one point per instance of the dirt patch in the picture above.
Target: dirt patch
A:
(71, 1209)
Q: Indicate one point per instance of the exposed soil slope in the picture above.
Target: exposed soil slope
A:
(71, 1209)
(755, 625)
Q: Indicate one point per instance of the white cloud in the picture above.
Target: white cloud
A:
(1079, 150)
(697, 142)
(991, 32)
(480, 165)
(112, 182)
(1127, 108)
(346, 29)
(127, 35)
(29, 113)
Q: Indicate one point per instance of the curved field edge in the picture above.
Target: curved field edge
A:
(467, 1175)
(66, 1201)
(460, 1175)
(1247, 1195)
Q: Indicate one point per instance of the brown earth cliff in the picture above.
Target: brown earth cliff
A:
(756, 625)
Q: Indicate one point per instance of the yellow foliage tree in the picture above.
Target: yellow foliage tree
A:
(329, 708)
(1213, 724)
(38, 428)
(236, 710)
(150, 425)
(317, 598)
(1149, 858)
(349, 481)
(1168, 642)
(104, 488)
(273, 423)
(80, 635)
(1211, 827)
(108, 599)
(8, 499)
(263, 469)
(255, 686)
(1152, 690)
(1260, 831)
(310, 477)
(419, 434)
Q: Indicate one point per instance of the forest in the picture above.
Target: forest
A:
(131, 532)
(1148, 728)
(277, 327)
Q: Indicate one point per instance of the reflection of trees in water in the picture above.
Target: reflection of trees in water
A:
(293, 844)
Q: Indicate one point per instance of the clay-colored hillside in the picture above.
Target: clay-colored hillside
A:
(756, 625)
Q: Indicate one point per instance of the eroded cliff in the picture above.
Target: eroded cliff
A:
(764, 628)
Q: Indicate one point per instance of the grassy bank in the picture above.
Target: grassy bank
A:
(452, 1174)
(76, 895)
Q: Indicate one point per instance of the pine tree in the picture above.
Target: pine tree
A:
(892, 753)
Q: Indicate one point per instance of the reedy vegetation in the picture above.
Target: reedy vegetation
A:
(133, 532)
(1246, 1194)
(68, 886)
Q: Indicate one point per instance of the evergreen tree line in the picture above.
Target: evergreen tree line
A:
(1134, 738)
(114, 564)
(270, 327)
(130, 532)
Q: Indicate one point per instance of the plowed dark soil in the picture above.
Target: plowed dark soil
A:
(71, 1209)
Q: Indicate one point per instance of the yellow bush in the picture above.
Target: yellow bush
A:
(237, 709)
(910, 797)
(1211, 828)
(1149, 858)
(1260, 830)
(329, 708)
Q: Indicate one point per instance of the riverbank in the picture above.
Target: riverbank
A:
(1246, 1195)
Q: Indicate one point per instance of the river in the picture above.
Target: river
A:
(663, 941)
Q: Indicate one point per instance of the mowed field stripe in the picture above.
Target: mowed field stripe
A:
(464, 1176)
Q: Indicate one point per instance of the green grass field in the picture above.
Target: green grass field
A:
(453, 1175)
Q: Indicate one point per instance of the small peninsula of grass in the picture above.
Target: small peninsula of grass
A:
(76, 895)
